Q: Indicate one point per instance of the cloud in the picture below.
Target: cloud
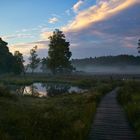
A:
(110, 27)
(17, 36)
(77, 6)
(29, 29)
(53, 20)
(103, 10)
(46, 35)
(26, 47)
(115, 35)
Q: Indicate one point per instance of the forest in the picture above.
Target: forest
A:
(108, 61)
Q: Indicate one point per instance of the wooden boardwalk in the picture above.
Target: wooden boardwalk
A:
(110, 122)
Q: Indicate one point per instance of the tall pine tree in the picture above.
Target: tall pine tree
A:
(59, 53)
(33, 59)
(10, 63)
(18, 63)
(6, 58)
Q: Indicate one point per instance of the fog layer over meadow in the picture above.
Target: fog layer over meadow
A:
(121, 64)
(110, 69)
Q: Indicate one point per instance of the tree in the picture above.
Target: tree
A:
(59, 54)
(6, 58)
(138, 46)
(18, 63)
(33, 59)
(44, 65)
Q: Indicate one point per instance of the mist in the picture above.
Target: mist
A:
(129, 69)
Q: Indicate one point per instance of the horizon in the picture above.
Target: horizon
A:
(93, 28)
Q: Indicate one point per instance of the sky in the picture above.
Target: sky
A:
(93, 27)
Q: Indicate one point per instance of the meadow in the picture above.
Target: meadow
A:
(129, 98)
(60, 117)
(65, 116)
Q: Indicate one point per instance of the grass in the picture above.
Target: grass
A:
(4, 92)
(65, 117)
(129, 97)
(85, 81)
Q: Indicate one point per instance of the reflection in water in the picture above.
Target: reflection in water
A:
(45, 89)
(32, 90)
(56, 89)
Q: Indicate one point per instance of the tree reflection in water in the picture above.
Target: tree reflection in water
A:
(53, 89)
(32, 90)
(44, 89)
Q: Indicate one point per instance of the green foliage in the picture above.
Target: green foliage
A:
(61, 117)
(129, 97)
(18, 63)
(59, 53)
(8, 62)
(120, 60)
(44, 65)
(33, 59)
(87, 83)
(5, 93)
(65, 117)
(6, 58)
(104, 88)
(138, 46)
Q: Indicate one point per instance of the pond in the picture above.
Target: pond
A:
(45, 89)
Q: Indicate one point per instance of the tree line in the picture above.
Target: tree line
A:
(58, 60)
(120, 60)
(9, 62)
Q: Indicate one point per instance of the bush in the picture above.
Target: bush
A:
(4, 92)
(129, 97)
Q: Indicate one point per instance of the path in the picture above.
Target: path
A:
(110, 122)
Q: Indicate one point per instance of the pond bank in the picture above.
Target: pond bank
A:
(62, 117)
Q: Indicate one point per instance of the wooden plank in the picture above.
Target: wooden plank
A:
(110, 122)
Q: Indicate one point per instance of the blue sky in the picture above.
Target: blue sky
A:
(93, 27)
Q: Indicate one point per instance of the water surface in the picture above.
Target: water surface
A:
(45, 89)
